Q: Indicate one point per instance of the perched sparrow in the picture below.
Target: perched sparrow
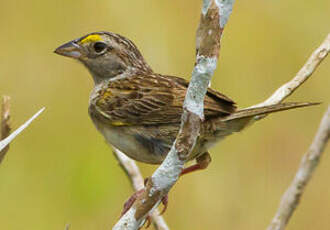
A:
(139, 111)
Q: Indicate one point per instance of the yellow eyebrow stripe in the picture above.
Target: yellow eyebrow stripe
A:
(91, 38)
(119, 123)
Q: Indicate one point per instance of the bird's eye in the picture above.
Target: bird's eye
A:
(99, 47)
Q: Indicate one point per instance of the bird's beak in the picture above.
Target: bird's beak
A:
(70, 49)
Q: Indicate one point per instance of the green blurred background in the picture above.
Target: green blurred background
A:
(60, 170)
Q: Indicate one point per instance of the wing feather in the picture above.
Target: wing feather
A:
(153, 99)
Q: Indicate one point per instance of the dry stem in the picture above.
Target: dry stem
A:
(309, 162)
(304, 73)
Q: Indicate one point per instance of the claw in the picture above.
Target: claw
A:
(128, 204)
(165, 203)
(130, 201)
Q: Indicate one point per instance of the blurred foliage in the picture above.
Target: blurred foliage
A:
(61, 171)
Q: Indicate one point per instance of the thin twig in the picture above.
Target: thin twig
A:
(134, 175)
(291, 197)
(12, 136)
(308, 164)
(5, 124)
(304, 73)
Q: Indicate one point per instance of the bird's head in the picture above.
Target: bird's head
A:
(105, 54)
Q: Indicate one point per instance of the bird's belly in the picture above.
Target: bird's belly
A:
(135, 145)
(150, 144)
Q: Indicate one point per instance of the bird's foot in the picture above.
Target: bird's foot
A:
(201, 163)
(129, 203)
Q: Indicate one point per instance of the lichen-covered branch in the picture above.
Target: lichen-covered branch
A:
(304, 73)
(308, 164)
(5, 124)
(133, 173)
(214, 16)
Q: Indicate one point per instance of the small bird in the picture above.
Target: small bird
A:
(139, 111)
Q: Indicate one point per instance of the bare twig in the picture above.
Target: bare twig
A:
(309, 162)
(133, 173)
(5, 124)
(214, 16)
(12, 136)
(291, 197)
(304, 73)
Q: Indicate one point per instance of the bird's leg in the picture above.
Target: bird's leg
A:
(201, 163)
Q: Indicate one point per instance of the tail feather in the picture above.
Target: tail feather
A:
(253, 112)
(242, 118)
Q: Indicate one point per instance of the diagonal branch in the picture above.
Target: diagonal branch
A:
(214, 16)
(134, 175)
(5, 142)
(304, 73)
(309, 162)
